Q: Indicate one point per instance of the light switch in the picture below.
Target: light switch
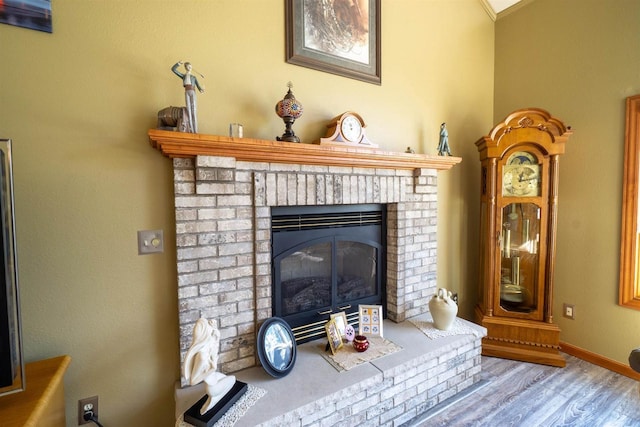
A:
(150, 242)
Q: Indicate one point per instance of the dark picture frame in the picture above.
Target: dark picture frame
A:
(12, 374)
(276, 347)
(32, 14)
(347, 45)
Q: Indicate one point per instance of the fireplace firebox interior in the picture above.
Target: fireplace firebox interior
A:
(325, 260)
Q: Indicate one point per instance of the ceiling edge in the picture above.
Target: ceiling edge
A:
(487, 7)
(513, 8)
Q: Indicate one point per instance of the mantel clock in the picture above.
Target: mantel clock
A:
(347, 129)
(518, 217)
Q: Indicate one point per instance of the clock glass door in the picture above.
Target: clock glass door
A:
(520, 258)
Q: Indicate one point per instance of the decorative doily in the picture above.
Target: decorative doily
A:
(347, 357)
(458, 328)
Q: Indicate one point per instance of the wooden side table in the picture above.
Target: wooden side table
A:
(42, 402)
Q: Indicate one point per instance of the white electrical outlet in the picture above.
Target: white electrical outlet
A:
(87, 405)
(568, 311)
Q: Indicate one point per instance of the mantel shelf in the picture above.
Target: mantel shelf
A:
(189, 145)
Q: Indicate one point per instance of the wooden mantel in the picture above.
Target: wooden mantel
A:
(188, 145)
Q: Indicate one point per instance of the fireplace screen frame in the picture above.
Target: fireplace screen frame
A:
(335, 224)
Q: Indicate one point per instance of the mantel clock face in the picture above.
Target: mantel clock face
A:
(521, 175)
(351, 128)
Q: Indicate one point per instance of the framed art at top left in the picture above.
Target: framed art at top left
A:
(32, 14)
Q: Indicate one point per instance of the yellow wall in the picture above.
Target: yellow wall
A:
(78, 103)
(579, 59)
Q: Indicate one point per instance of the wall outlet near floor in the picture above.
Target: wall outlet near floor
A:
(568, 311)
(88, 404)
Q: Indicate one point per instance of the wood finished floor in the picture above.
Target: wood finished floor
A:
(529, 395)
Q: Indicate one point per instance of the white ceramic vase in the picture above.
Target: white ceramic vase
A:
(443, 309)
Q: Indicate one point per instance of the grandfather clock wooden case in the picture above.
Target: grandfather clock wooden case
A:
(518, 220)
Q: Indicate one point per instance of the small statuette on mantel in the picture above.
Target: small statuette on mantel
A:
(443, 145)
(190, 83)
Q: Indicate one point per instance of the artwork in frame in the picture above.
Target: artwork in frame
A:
(341, 322)
(340, 37)
(12, 374)
(32, 14)
(370, 320)
(333, 335)
(276, 347)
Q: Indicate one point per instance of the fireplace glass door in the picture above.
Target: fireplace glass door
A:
(306, 275)
(357, 268)
(305, 278)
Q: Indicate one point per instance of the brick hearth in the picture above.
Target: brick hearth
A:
(394, 390)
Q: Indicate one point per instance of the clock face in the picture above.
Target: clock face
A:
(521, 175)
(351, 128)
(521, 180)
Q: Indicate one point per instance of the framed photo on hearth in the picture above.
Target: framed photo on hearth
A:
(339, 37)
(276, 347)
(341, 322)
(333, 335)
(370, 320)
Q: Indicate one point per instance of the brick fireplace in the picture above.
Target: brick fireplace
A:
(224, 191)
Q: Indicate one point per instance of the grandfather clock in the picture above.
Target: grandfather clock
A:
(518, 220)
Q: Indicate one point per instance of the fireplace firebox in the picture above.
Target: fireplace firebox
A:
(326, 259)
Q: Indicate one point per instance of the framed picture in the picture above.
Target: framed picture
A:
(34, 14)
(340, 37)
(370, 320)
(276, 347)
(12, 375)
(341, 322)
(333, 334)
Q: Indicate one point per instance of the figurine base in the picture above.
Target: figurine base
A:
(209, 418)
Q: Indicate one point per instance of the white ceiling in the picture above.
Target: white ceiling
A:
(500, 5)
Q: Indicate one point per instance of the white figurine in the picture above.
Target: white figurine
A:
(201, 361)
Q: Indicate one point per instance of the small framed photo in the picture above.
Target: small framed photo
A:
(341, 322)
(370, 320)
(333, 334)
